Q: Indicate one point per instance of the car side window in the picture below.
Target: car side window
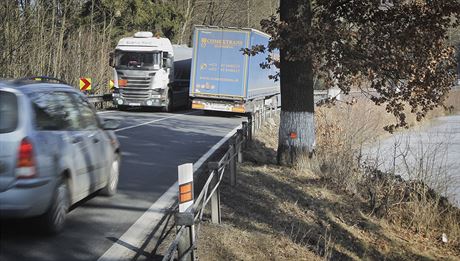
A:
(87, 115)
(54, 111)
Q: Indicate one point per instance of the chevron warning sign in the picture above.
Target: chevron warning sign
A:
(85, 84)
(111, 84)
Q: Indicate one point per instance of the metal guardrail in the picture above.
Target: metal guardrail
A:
(100, 101)
(185, 241)
(188, 222)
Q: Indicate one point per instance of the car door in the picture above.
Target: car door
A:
(57, 118)
(96, 140)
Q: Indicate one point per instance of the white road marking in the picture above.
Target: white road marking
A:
(143, 227)
(157, 120)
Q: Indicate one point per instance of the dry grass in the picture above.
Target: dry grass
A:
(328, 209)
(277, 213)
(344, 131)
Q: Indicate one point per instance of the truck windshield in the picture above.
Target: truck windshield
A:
(137, 60)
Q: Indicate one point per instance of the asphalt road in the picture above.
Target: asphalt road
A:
(153, 145)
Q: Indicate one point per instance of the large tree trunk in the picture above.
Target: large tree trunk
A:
(297, 128)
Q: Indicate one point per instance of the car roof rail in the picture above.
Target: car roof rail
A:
(41, 79)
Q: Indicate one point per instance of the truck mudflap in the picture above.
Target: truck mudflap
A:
(218, 106)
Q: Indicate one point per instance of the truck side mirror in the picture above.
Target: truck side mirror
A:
(168, 63)
(111, 59)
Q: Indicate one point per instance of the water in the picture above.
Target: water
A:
(430, 153)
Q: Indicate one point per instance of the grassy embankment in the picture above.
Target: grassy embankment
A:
(332, 208)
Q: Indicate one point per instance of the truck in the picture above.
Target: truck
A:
(149, 71)
(223, 78)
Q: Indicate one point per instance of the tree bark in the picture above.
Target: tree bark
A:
(297, 128)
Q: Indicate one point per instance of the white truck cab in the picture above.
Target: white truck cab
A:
(146, 72)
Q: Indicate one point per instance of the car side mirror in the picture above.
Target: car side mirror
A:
(110, 124)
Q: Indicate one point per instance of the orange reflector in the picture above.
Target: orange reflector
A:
(238, 109)
(185, 188)
(293, 135)
(122, 83)
(185, 197)
(185, 192)
(197, 106)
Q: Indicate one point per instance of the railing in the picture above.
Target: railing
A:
(188, 220)
(101, 101)
(185, 240)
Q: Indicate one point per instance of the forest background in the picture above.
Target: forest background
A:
(69, 39)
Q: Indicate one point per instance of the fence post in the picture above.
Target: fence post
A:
(263, 114)
(257, 120)
(251, 126)
(232, 162)
(245, 132)
(239, 145)
(185, 216)
(215, 198)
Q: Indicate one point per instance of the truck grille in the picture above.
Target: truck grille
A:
(136, 88)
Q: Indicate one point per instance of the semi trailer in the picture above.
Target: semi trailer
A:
(225, 79)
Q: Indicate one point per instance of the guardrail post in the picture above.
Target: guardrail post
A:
(215, 198)
(259, 118)
(251, 126)
(239, 145)
(245, 132)
(185, 216)
(269, 109)
(263, 114)
(232, 162)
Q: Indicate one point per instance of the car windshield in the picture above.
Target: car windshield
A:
(137, 60)
(8, 112)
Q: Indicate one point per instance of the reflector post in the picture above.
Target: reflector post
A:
(185, 175)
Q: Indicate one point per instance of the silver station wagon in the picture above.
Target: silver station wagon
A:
(54, 151)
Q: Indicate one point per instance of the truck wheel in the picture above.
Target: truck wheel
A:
(54, 219)
(112, 178)
(170, 103)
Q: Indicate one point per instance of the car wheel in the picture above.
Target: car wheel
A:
(112, 179)
(54, 219)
